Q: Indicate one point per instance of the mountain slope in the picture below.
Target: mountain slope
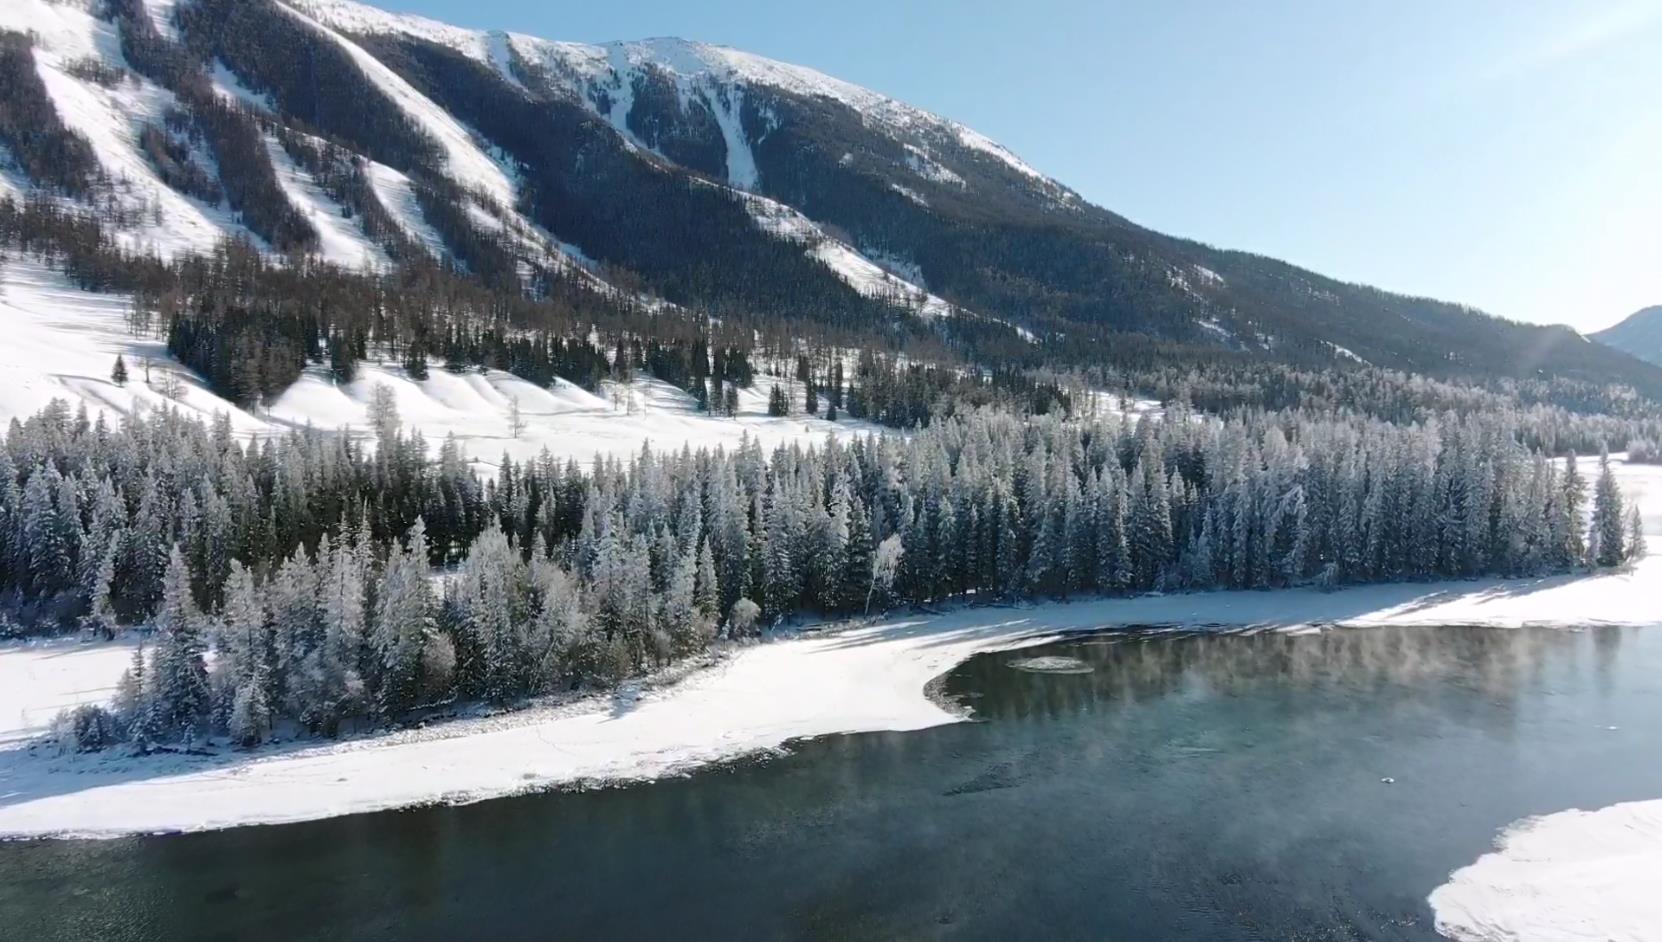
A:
(671, 171)
(1639, 335)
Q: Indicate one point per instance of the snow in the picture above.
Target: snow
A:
(162, 15)
(926, 167)
(567, 420)
(499, 53)
(860, 272)
(1565, 877)
(465, 158)
(398, 198)
(1343, 353)
(61, 343)
(862, 678)
(232, 89)
(340, 240)
(169, 223)
(45, 677)
(728, 105)
(1208, 275)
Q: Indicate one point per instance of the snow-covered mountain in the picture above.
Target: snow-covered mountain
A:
(1640, 334)
(672, 173)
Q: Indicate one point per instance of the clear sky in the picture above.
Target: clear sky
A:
(1502, 153)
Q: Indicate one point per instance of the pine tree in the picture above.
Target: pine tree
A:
(1637, 547)
(1570, 547)
(118, 374)
(181, 674)
(1607, 534)
(403, 622)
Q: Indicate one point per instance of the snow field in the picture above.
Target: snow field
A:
(62, 343)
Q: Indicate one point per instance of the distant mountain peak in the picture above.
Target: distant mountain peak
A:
(1639, 334)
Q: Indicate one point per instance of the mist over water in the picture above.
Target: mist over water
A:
(1179, 786)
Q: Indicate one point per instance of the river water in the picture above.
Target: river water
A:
(1161, 786)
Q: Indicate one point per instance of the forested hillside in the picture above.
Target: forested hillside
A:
(638, 180)
(1640, 335)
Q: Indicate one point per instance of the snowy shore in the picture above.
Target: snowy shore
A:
(858, 679)
(1574, 875)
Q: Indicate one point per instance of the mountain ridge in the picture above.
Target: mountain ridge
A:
(697, 176)
(1639, 334)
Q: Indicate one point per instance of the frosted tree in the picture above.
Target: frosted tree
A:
(1637, 547)
(1607, 535)
(249, 722)
(403, 622)
(1569, 546)
(181, 674)
(383, 412)
(742, 619)
(707, 595)
(516, 418)
(885, 564)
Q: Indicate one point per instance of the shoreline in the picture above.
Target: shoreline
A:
(878, 676)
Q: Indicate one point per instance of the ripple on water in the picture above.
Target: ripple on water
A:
(1051, 664)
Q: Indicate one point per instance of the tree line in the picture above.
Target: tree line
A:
(304, 560)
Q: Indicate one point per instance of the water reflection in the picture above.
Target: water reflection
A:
(1139, 665)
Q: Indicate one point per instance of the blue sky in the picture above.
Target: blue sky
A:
(1502, 153)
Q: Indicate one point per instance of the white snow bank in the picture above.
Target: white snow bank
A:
(1566, 877)
(858, 679)
(61, 343)
(44, 678)
(565, 419)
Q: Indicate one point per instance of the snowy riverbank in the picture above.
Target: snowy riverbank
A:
(1574, 875)
(858, 679)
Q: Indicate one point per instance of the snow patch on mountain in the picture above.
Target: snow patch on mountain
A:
(909, 193)
(397, 196)
(232, 89)
(925, 166)
(863, 274)
(62, 342)
(340, 241)
(351, 18)
(465, 156)
(499, 53)
(727, 105)
(156, 217)
(1343, 353)
(162, 17)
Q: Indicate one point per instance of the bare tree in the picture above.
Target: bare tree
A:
(516, 418)
(383, 412)
(170, 385)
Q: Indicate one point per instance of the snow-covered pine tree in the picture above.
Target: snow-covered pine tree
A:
(180, 671)
(1607, 534)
